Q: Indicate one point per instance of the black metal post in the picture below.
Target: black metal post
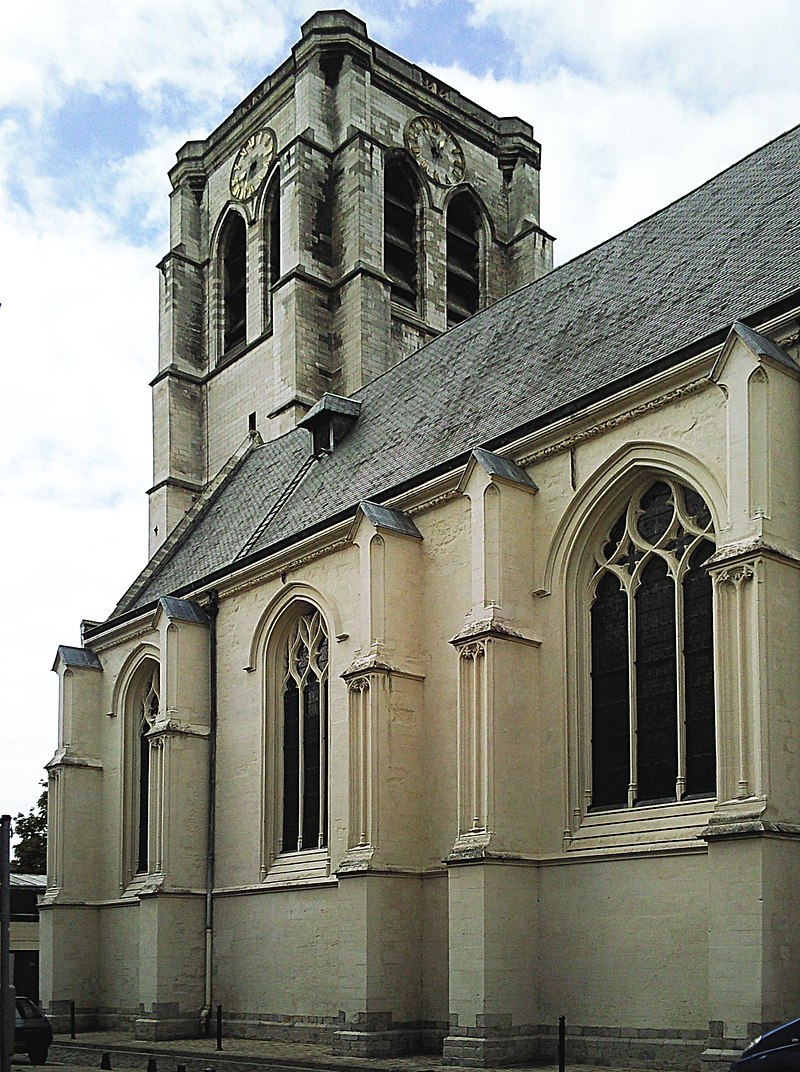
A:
(72, 1019)
(219, 1027)
(562, 1043)
(6, 991)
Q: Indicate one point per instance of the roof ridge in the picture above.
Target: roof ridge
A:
(285, 495)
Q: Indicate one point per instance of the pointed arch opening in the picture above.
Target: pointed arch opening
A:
(652, 709)
(463, 258)
(233, 271)
(401, 233)
(296, 775)
(142, 704)
(272, 220)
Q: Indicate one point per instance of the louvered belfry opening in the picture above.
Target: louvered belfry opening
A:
(234, 281)
(463, 259)
(400, 234)
(274, 225)
(652, 653)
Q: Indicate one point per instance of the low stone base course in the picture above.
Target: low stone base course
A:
(480, 1052)
(392, 1043)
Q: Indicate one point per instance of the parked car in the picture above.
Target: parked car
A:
(774, 1051)
(32, 1031)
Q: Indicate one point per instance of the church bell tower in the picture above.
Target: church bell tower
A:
(349, 210)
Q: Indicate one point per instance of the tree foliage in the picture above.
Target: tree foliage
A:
(30, 850)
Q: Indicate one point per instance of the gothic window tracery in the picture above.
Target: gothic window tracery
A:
(463, 259)
(400, 228)
(652, 669)
(145, 708)
(305, 731)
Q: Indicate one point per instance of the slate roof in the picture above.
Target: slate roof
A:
(639, 302)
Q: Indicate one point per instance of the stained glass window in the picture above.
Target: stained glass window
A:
(652, 657)
(305, 719)
(147, 713)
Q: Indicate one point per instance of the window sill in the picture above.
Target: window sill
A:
(673, 826)
(292, 867)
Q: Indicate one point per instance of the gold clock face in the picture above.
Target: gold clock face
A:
(436, 150)
(252, 164)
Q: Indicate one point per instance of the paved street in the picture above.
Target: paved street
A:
(238, 1055)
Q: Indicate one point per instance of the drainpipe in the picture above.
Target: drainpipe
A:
(212, 610)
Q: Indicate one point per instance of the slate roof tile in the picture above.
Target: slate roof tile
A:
(721, 253)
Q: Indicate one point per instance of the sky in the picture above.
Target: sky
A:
(635, 103)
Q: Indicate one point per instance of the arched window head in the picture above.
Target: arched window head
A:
(463, 259)
(233, 247)
(400, 233)
(304, 716)
(652, 652)
(145, 711)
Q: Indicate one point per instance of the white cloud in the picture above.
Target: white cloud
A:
(635, 104)
(152, 46)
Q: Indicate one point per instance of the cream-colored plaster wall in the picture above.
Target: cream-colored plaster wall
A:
(781, 977)
(435, 948)
(779, 585)
(23, 935)
(624, 943)
(277, 952)
(445, 591)
(70, 955)
(118, 962)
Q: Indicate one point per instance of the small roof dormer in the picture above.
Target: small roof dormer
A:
(329, 421)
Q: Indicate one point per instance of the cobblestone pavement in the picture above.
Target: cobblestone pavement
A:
(198, 1055)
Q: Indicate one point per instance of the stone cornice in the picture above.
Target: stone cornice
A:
(722, 827)
(732, 553)
(377, 664)
(491, 629)
(592, 428)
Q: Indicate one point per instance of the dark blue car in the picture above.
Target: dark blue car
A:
(32, 1031)
(774, 1051)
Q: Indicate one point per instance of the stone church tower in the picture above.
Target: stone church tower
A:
(350, 210)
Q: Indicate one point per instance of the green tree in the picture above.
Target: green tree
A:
(30, 850)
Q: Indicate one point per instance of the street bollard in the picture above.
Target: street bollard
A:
(219, 1027)
(562, 1043)
(72, 1019)
(105, 1062)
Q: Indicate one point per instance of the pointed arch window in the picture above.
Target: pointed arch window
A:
(304, 716)
(274, 231)
(400, 233)
(234, 281)
(652, 652)
(463, 259)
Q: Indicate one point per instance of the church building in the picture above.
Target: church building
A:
(460, 691)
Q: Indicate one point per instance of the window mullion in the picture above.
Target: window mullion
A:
(680, 781)
(301, 707)
(632, 740)
(322, 686)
